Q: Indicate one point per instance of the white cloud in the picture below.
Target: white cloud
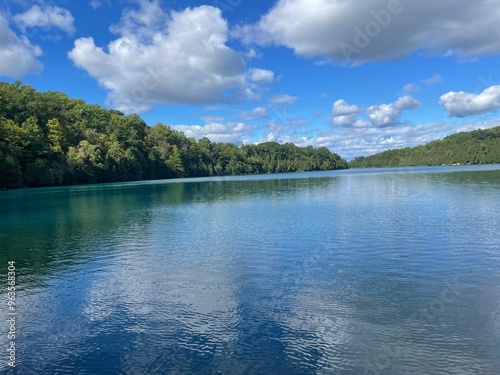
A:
(149, 20)
(354, 32)
(462, 104)
(18, 56)
(390, 114)
(166, 59)
(361, 139)
(344, 120)
(261, 75)
(406, 102)
(350, 121)
(382, 115)
(252, 53)
(218, 132)
(269, 137)
(283, 99)
(46, 18)
(277, 133)
(346, 115)
(258, 112)
(365, 131)
(467, 127)
(95, 4)
(351, 142)
(283, 128)
(341, 108)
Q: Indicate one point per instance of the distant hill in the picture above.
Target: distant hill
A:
(475, 147)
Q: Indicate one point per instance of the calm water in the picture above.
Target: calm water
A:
(353, 272)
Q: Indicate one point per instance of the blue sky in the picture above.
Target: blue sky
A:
(355, 76)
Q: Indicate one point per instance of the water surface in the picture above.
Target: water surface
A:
(379, 271)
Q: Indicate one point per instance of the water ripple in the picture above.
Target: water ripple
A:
(375, 272)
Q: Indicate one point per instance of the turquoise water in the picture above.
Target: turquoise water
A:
(380, 271)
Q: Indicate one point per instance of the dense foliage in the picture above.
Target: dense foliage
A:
(50, 139)
(475, 147)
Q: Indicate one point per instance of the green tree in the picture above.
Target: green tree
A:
(48, 138)
(86, 162)
(56, 136)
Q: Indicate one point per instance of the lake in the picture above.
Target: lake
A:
(373, 271)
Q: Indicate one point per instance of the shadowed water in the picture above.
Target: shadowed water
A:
(383, 271)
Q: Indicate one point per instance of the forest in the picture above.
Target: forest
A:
(474, 147)
(47, 138)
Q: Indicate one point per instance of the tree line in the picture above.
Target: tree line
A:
(49, 139)
(474, 147)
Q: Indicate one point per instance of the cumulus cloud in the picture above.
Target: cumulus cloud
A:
(354, 32)
(146, 21)
(346, 115)
(463, 104)
(382, 115)
(349, 121)
(261, 75)
(46, 18)
(18, 56)
(159, 58)
(389, 114)
(283, 99)
(341, 108)
(406, 102)
(218, 132)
